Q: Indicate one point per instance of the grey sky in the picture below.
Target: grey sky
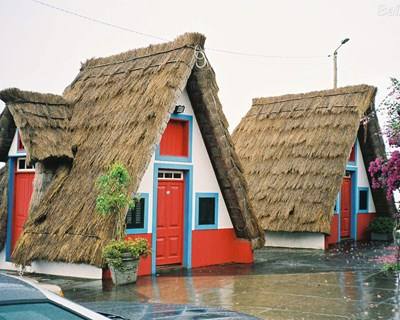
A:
(41, 48)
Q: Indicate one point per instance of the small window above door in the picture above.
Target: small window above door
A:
(23, 166)
(175, 144)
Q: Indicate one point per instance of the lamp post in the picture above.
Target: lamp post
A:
(335, 62)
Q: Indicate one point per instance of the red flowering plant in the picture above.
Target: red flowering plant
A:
(385, 173)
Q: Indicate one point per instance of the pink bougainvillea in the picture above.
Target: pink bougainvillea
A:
(385, 173)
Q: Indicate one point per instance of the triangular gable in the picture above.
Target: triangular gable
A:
(122, 105)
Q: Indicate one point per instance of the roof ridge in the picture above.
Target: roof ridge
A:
(186, 40)
(312, 94)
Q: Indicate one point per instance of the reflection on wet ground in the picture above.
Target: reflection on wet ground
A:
(343, 283)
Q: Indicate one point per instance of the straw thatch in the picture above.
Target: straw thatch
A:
(294, 150)
(42, 120)
(122, 105)
(3, 205)
(7, 132)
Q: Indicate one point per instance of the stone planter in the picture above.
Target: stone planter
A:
(381, 236)
(129, 274)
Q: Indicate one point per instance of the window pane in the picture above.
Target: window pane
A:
(21, 164)
(135, 216)
(363, 203)
(206, 211)
(35, 311)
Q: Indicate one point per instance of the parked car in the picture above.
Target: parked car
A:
(21, 299)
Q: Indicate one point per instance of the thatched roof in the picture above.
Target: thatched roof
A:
(42, 120)
(3, 205)
(122, 105)
(294, 150)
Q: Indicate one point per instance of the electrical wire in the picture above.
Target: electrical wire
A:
(149, 35)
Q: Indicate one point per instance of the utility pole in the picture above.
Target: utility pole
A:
(334, 55)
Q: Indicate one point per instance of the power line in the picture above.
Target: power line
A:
(149, 35)
(99, 21)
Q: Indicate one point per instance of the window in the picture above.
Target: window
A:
(206, 210)
(170, 175)
(175, 144)
(136, 218)
(336, 208)
(40, 310)
(22, 165)
(363, 194)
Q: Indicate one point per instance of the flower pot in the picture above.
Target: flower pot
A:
(381, 236)
(129, 272)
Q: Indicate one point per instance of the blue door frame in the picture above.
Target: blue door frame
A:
(354, 202)
(188, 213)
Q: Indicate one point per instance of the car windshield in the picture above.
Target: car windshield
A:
(36, 311)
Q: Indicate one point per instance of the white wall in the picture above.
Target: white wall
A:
(204, 179)
(55, 268)
(362, 178)
(308, 240)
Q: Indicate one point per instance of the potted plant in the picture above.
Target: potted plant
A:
(121, 255)
(381, 229)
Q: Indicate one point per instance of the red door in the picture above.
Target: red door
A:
(345, 207)
(170, 204)
(22, 196)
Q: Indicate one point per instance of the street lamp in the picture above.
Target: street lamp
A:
(335, 62)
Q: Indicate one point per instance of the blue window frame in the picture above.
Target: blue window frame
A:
(189, 119)
(137, 218)
(206, 210)
(336, 209)
(363, 199)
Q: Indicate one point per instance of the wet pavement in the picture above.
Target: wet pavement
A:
(342, 283)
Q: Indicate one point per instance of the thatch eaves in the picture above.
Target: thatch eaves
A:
(42, 120)
(122, 105)
(7, 132)
(3, 205)
(294, 150)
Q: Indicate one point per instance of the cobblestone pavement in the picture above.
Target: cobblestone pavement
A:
(341, 283)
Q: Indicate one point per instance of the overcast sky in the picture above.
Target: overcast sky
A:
(42, 48)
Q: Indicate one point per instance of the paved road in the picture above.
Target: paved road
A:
(342, 283)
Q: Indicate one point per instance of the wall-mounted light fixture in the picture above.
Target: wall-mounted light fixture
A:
(179, 109)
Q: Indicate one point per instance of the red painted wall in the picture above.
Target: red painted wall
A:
(363, 221)
(334, 236)
(211, 247)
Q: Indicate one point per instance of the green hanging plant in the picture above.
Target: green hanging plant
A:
(113, 197)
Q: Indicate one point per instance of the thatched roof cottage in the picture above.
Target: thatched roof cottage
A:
(157, 111)
(305, 158)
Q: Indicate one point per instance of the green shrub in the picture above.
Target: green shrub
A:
(390, 267)
(381, 225)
